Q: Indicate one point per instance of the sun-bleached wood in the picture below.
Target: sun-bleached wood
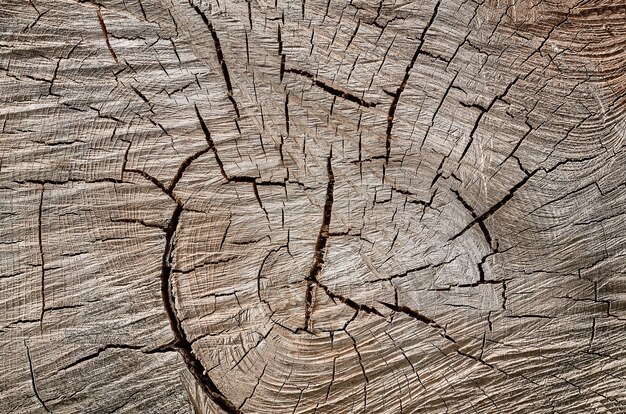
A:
(312, 206)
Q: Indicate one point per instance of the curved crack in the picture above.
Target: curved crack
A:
(32, 380)
(320, 244)
(182, 344)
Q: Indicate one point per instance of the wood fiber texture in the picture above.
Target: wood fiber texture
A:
(312, 206)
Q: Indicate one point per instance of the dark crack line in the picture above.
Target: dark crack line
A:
(347, 301)
(182, 344)
(483, 112)
(436, 112)
(480, 219)
(332, 379)
(258, 381)
(412, 270)
(239, 179)
(331, 89)
(106, 35)
(150, 178)
(220, 163)
(220, 56)
(260, 272)
(472, 212)
(183, 167)
(32, 380)
(442, 331)
(417, 375)
(358, 354)
(99, 351)
(207, 135)
(283, 57)
(405, 80)
(287, 113)
(41, 255)
(422, 318)
(320, 244)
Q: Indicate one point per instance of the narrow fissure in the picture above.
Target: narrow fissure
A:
(209, 140)
(480, 219)
(182, 344)
(32, 380)
(483, 111)
(183, 167)
(281, 54)
(320, 244)
(41, 255)
(472, 212)
(396, 96)
(106, 35)
(331, 89)
(220, 56)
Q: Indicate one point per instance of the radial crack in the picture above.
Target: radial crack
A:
(422, 318)
(209, 140)
(106, 35)
(472, 212)
(220, 56)
(41, 255)
(182, 344)
(484, 111)
(32, 379)
(331, 89)
(407, 74)
(320, 244)
(480, 219)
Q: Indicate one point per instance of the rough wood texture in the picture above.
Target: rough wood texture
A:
(313, 206)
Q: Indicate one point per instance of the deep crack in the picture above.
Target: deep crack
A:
(182, 344)
(320, 244)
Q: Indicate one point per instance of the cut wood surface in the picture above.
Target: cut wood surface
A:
(312, 206)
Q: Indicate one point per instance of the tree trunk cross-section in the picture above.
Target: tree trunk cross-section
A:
(320, 206)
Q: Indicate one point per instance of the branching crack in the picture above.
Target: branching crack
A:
(183, 167)
(209, 140)
(413, 270)
(422, 318)
(483, 111)
(220, 55)
(320, 244)
(347, 301)
(98, 352)
(480, 219)
(258, 381)
(182, 344)
(396, 96)
(472, 212)
(358, 354)
(442, 331)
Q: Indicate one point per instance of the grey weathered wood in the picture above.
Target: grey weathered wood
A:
(311, 206)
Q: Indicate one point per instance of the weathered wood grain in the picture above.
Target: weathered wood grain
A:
(312, 206)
